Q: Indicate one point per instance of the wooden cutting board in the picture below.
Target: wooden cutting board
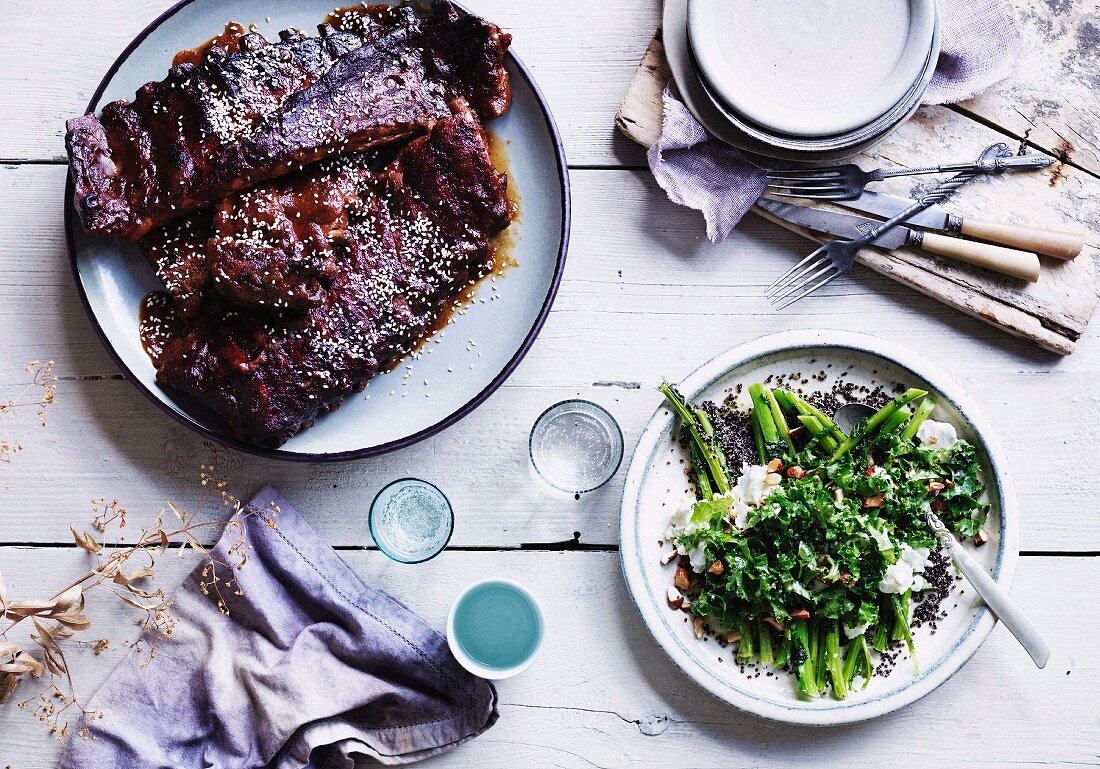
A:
(1049, 105)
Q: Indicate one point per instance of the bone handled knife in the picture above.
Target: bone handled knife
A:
(1008, 261)
(1061, 244)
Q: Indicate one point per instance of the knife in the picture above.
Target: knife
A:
(1063, 244)
(1018, 264)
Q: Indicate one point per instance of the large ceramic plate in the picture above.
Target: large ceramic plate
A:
(655, 484)
(113, 277)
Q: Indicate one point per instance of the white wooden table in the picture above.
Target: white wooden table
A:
(644, 295)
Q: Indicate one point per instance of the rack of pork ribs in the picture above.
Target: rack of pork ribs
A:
(312, 206)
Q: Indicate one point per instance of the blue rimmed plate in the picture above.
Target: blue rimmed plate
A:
(655, 486)
(466, 364)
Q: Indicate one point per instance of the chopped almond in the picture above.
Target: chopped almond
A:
(800, 614)
(773, 479)
(775, 624)
(796, 472)
(686, 608)
(733, 637)
(698, 627)
(669, 557)
(775, 466)
(875, 501)
(981, 537)
(935, 487)
(870, 470)
(682, 579)
(675, 598)
(839, 494)
(716, 568)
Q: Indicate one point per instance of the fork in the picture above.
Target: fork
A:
(846, 182)
(836, 257)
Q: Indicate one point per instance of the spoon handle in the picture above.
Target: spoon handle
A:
(1001, 605)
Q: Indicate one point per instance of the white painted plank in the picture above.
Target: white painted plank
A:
(54, 54)
(603, 694)
(644, 296)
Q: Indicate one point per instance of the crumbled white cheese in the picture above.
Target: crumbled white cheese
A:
(740, 513)
(937, 436)
(854, 632)
(679, 524)
(698, 557)
(898, 578)
(751, 487)
(917, 558)
(906, 573)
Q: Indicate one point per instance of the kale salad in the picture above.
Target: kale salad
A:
(813, 555)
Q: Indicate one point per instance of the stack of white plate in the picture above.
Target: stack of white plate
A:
(802, 79)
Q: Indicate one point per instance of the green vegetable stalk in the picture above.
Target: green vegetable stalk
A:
(774, 445)
(745, 650)
(901, 632)
(701, 436)
(879, 418)
(858, 662)
(766, 655)
(804, 656)
(927, 406)
(834, 661)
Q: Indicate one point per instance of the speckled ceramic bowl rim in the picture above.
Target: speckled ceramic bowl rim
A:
(642, 593)
(370, 451)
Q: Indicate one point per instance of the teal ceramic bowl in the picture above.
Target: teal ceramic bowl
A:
(113, 277)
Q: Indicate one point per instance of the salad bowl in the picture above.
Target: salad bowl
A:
(656, 485)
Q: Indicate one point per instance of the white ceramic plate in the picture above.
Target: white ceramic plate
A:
(113, 277)
(811, 67)
(647, 503)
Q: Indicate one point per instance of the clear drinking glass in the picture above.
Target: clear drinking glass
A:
(576, 446)
(411, 520)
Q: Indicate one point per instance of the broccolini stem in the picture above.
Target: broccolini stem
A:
(805, 409)
(835, 662)
(780, 420)
(927, 406)
(824, 437)
(758, 436)
(767, 657)
(701, 434)
(879, 418)
(774, 446)
(745, 650)
(783, 654)
(821, 667)
(900, 417)
(901, 626)
(803, 656)
(882, 636)
(858, 662)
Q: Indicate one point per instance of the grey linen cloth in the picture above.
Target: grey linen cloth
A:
(979, 43)
(309, 664)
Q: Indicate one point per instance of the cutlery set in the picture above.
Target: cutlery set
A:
(1014, 256)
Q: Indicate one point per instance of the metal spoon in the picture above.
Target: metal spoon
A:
(847, 418)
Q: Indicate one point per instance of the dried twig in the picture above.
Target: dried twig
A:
(122, 570)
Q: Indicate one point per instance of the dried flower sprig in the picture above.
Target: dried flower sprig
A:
(40, 393)
(122, 570)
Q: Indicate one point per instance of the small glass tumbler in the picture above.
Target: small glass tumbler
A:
(576, 446)
(411, 520)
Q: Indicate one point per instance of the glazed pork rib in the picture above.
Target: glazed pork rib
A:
(251, 110)
(400, 246)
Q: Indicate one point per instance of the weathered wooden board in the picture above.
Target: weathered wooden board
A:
(644, 296)
(602, 694)
(1052, 312)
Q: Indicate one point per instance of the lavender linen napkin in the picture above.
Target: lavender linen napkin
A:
(979, 43)
(309, 664)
